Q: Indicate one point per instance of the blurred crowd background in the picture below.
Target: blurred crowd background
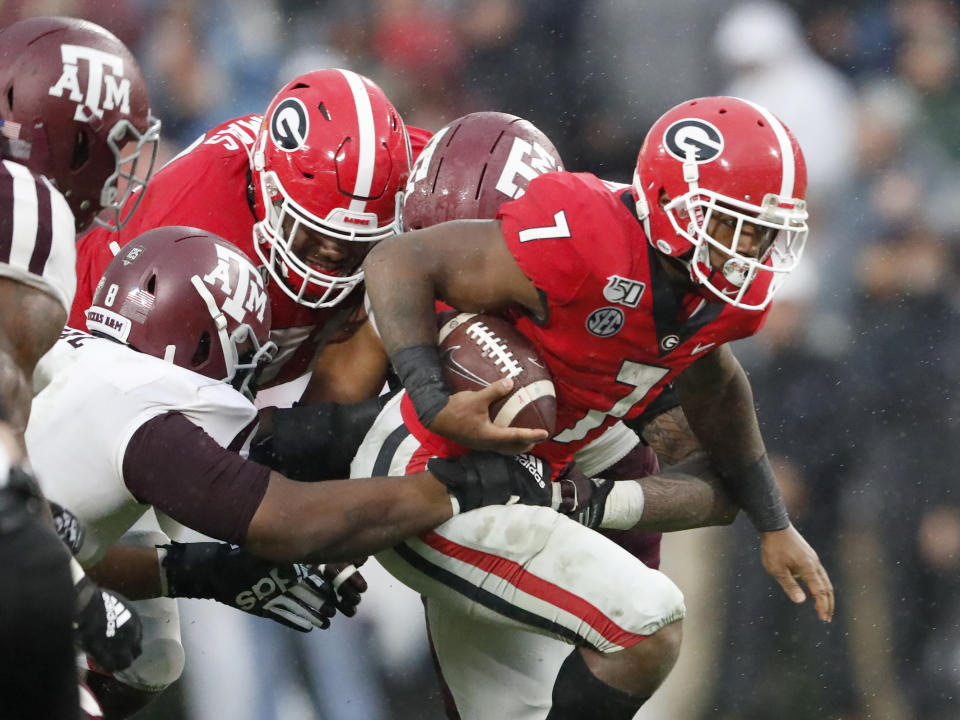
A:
(854, 374)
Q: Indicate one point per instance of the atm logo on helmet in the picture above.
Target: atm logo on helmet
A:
(107, 88)
(248, 295)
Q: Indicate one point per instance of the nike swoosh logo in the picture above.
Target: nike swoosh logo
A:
(698, 348)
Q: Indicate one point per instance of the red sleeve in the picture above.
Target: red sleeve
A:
(418, 138)
(93, 256)
(539, 228)
(178, 468)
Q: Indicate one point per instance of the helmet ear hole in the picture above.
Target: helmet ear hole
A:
(152, 285)
(10, 98)
(202, 353)
(81, 150)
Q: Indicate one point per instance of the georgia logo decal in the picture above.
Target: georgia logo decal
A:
(290, 125)
(692, 133)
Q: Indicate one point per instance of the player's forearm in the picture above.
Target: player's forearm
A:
(341, 520)
(130, 570)
(718, 403)
(402, 292)
(684, 496)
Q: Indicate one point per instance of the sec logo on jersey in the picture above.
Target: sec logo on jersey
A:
(605, 321)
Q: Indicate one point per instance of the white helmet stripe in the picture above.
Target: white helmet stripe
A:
(368, 149)
(786, 150)
(229, 356)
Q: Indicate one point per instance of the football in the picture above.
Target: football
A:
(477, 350)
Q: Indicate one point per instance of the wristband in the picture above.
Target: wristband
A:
(755, 490)
(624, 506)
(161, 558)
(419, 370)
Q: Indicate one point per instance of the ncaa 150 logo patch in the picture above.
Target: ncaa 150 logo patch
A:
(289, 125)
(624, 290)
(605, 321)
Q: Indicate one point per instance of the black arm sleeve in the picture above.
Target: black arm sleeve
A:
(178, 468)
(316, 442)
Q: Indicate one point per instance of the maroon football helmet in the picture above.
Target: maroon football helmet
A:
(472, 166)
(189, 297)
(74, 107)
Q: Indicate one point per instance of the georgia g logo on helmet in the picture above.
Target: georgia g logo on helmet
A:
(290, 125)
(692, 133)
(106, 89)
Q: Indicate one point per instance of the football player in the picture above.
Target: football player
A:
(466, 171)
(306, 190)
(155, 410)
(624, 289)
(75, 124)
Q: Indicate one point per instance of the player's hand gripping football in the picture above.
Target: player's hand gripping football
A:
(465, 419)
(789, 558)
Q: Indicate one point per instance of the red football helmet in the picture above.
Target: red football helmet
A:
(74, 107)
(189, 297)
(474, 164)
(730, 161)
(331, 156)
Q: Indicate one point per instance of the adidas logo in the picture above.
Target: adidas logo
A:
(117, 613)
(534, 466)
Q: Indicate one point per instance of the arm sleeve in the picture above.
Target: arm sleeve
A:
(174, 465)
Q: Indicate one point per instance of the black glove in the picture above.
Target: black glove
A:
(20, 499)
(347, 583)
(108, 628)
(487, 478)
(289, 593)
(583, 499)
(68, 526)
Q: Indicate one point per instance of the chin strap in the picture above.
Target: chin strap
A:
(221, 323)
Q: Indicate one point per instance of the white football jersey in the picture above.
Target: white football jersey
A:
(96, 394)
(37, 236)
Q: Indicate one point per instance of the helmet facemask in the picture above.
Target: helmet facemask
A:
(123, 135)
(244, 355)
(274, 238)
(780, 227)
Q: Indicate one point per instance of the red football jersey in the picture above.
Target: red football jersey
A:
(205, 186)
(616, 332)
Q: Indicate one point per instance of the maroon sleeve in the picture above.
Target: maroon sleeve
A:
(174, 465)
